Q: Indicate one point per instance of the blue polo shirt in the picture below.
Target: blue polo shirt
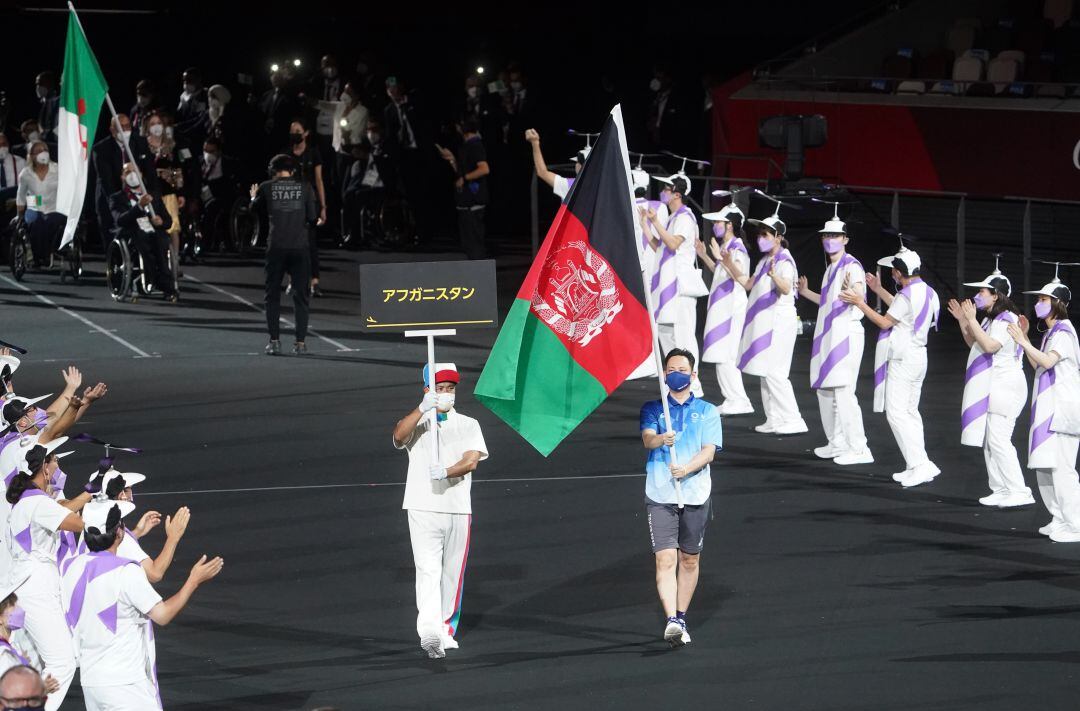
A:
(698, 424)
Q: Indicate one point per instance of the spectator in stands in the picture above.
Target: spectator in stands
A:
(470, 168)
(222, 122)
(46, 87)
(141, 217)
(146, 102)
(30, 131)
(108, 157)
(192, 108)
(10, 167)
(278, 107)
(214, 186)
(36, 203)
(308, 163)
(21, 687)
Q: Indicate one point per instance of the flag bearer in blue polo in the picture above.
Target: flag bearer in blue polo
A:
(438, 499)
(678, 532)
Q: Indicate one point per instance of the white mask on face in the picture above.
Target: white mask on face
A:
(4, 152)
(42, 158)
(157, 129)
(654, 85)
(168, 132)
(126, 135)
(471, 91)
(208, 157)
(33, 136)
(516, 85)
(132, 180)
(444, 401)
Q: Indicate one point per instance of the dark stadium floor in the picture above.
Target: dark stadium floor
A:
(821, 588)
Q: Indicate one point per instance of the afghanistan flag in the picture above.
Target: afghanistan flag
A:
(82, 89)
(579, 325)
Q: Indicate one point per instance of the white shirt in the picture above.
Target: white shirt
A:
(785, 270)
(130, 548)
(30, 185)
(1005, 360)
(903, 333)
(107, 658)
(12, 166)
(853, 274)
(561, 187)
(43, 516)
(356, 120)
(457, 434)
(685, 225)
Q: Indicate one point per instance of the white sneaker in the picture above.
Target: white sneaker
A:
(449, 642)
(675, 633)
(1013, 500)
(825, 452)
(900, 476)
(849, 458)
(765, 428)
(792, 428)
(921, 474)
(433, 645)
(994, 499)
(726, 411)
(1049, 528)
(1065, 534)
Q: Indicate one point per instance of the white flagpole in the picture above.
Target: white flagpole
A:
(116, 121)
(617, 113)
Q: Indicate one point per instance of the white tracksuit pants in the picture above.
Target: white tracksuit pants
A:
(731, 387)
(440, 544)
(1060, 486)
(47, 629)
(1002, 465)
(682, 334)
(777, 395)
(903, 389)
(841, 415)
(141, 696)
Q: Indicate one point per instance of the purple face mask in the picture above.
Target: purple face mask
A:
(16, 618)
(718, 230)
(58, 480)
(1042, 309)
(665, 197)
(41, 418)
(764, 244)
(980, 301)
(832, 245)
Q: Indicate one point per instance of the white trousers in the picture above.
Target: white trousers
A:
(731, 387)
(903, 389)
(1060, 486)
(141, 696)
(1002, 465)
(841, 415)
(682, 333)
(440, 545)
(777, 395)
(47, 629)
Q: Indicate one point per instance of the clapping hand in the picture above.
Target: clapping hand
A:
(850, 296)
(955, 310)
(147, 523)
(968, 309)
(205, 570)
(872, 282)
(95, 393)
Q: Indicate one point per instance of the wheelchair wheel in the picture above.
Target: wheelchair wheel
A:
(244, 226)
(71, 261)
(19, 253)
(143, 284)
(118, 270)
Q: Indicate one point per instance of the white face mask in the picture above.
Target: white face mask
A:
(208, 158)
(132, 180)
(654, 85)
(168, 132)
(329, 72)
(42, 158)
(444, 401)
(33, 136)
(4, 152)
(157, 129)
(214, 103)
(516, 85)
(126, 135)
(471, 91)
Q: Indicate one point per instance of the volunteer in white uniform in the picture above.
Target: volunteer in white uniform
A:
(559, 185)
(994, 387)
(1055, 411)
(676, 284)
(437, 497)
(837, 350)
(33, 539)
(900, 358)
(727, 258)
(646, 236)
(109, 603)
(768, 337)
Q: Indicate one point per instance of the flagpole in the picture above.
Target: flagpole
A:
(116, 120)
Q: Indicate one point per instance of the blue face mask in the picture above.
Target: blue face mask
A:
(678, 381)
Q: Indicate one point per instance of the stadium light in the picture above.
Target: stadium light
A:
(274, 67)
(296, 62)
(479, 70)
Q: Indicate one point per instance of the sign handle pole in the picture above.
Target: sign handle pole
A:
(434, 412)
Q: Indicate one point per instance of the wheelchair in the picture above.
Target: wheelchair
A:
(125, 271)
(21, 254)
(386, 221)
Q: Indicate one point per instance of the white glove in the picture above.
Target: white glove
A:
(431, 398)
(437, 472)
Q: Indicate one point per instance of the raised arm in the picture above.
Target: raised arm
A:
(542, 171)
(175, 526)
(672, 242)
(875, 286)
(405, 427)
(166, 611)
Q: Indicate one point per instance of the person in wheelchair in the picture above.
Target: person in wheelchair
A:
(142, 220)
(35, 201)
(213, 187)
(363, 192)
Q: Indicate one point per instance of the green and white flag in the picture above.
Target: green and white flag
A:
(82, 91)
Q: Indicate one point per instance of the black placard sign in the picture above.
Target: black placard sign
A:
(428, 295)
